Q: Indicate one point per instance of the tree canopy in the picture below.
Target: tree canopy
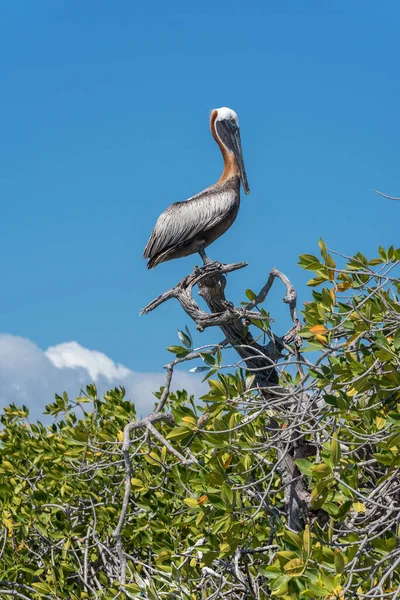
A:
(282, 481)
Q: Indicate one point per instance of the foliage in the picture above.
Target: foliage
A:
(206, 514)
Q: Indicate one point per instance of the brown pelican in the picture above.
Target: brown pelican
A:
(190, 226)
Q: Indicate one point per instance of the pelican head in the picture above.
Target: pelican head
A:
(226, 125)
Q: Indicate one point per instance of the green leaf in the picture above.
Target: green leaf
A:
(339, 561)
(191, 502)
(305, 260)
(319, 495)
(336, 401)
(384, 459)
(396, 340)
(208, 358)
(304, 465)
(394, 418)
(138, 484)
(42, 587)
(344, 509)
(199, 369)
(217, 387)
(251, 295)
(330, 263)
(321, 471)
(185, 339)
(322, 247)
(307, 540)
(293, 538)
(190, 422)
(227, 493)
(131, 588)
(312, 591)
(180, 351)
(279, 586)
(189, 335)
(335, 450)
(178, 433)
(312, 347)
(294, 567)
(359, 507)
(383, 254)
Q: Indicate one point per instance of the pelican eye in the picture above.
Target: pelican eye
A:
(233, 122)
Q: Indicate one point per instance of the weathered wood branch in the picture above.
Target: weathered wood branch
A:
(261, 359)
(385, 195)
(183, 292)
(211, 283)
(147, 423)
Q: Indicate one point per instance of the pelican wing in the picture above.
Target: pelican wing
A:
(182, 221)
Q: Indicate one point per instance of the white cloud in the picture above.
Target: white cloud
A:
(30, 376)
(97, 364)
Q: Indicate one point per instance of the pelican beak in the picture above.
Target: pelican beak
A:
(237, 149)
(229, 134)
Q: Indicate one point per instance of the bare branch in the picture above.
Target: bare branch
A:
(385, 196)
(146, 423)
(184, 287)
(167, 385)
(259, 359)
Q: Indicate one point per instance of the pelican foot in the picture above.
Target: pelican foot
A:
(211, 263)
(208, 261)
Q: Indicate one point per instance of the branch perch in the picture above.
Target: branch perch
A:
(211, 282)
(182, 291)
(261, 359)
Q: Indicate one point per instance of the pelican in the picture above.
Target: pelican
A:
(190, 226)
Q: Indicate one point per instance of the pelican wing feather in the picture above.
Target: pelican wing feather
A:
(182, 221)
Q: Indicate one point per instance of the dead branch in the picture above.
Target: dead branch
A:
(385, 196)
(183, 290)
(146, 423)
(260, 359)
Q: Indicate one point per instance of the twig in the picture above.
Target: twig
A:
(24, 587)
(16, 594)
(85, 555)
(146, 423)
(164, 396)
(290, 298)
(385, 196)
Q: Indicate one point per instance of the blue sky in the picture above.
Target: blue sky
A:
(104, 110)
